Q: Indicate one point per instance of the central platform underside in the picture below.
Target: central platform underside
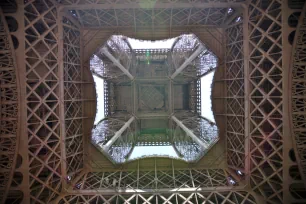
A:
(151, 103)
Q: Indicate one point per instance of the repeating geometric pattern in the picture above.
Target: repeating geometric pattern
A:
(157, 179)
(151, 97)
(73, 104)
(234, 75)
(42, 89)
(43, 115)
(204, 130)
(183, 47)
(266, 85)
(299, 93)
(104, 130)
(237, 197)
(8, 109)
(117, 56)
(93, 18)
(184, 144)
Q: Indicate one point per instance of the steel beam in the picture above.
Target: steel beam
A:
(188, 61)
(109, 191)
(118, 134)
(156, 5)
(190, 133)
(117, 63)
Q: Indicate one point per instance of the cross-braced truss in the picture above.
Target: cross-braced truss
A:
(8, 110)
(73, 103)
(298, 94)
(158, 179)
(257, 146)
(151, 18)
(235, 109)
(265, 125)
(43, 100)
(191, 198)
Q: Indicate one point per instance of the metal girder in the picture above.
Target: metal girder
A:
(190, 133)
(118, 134)
(188, 61)
(107, 191)
(117, 63)
(155, 5)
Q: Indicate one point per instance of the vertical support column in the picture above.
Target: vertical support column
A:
(118, 134)
(246, 93)
(9, 109)
(287, 137)
(61, 98)
(23, 141)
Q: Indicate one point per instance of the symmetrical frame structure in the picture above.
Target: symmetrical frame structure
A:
(47, 115)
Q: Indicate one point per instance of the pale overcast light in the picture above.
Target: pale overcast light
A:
(158, 44)
(100, 98)
(206, 83)
(140, 151)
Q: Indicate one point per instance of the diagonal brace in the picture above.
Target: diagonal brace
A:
(190, 133)
(188, 61)
(118, 134)
(117, 63)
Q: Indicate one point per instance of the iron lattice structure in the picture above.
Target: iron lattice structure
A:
(47, 98)
(151, 87)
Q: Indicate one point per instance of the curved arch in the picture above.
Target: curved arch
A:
(297, 96)
(9, 102)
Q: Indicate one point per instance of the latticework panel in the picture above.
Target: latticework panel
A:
(195, 99)
(298, 102)
(234, 75)
(73, 104)
(201, 65)
(263, 130)
(42, 89)
(184, 144)
(123, 145)
(113, 60)
(105, 129)
(191, 58)
(115, 136)
(8, 109)
(205, 130)
(143, 17)
(193, 135)
(104, 68)
(266, 109)
(187, 48)
(157, 179)
(238, 197)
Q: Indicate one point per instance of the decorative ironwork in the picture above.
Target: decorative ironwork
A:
(257, 135)
(9, 112)
(298, 94)
(266, 93)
